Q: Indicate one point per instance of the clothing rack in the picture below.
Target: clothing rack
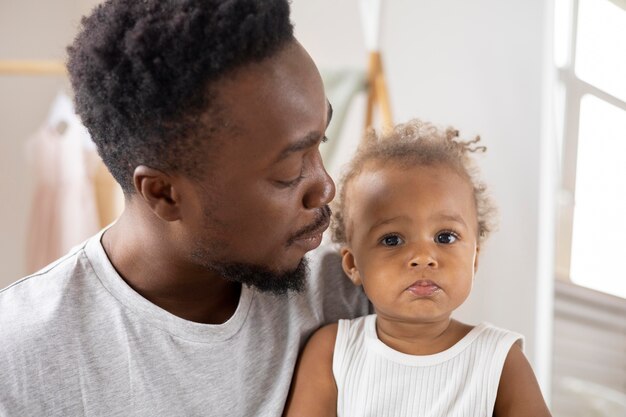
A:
(377, 93)
(377, 87)
(109, 198)
(32, 67)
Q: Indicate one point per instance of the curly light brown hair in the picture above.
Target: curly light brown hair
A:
(417, 143)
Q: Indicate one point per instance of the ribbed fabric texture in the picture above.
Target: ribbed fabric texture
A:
(375, 380)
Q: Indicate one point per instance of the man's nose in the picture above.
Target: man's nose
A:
(322, 189)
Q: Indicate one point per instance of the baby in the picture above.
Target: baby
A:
(411, 219)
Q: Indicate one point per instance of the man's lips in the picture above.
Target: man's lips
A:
(314, 229)
(423, 288)
(312, 239)
(316, 232)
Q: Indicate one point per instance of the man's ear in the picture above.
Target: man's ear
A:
(349, 266)
(157, 190)
(476, 258)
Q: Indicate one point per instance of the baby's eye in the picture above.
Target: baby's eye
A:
(446, 238)
(391, 240)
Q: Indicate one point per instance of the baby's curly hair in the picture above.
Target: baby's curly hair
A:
(143, 71)
(417, 143)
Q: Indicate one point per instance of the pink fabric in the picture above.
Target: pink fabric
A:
(64, 211)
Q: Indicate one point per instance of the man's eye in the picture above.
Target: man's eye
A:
(391, 240)
(292, 183)
(446, 238)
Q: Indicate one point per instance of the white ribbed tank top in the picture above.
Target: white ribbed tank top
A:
(373, 380)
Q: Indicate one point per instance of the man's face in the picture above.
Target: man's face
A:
(263, 201)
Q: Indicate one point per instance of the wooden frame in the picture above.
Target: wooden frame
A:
(32, 67)
(377, 93)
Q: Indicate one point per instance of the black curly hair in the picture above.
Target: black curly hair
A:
(143, 73)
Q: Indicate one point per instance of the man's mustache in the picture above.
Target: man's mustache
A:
(323, 218)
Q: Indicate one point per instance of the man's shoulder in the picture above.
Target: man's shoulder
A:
(30, 305)
(330, 287)
(48, 324)
(326, 272)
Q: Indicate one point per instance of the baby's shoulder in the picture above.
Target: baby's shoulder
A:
(325, 336)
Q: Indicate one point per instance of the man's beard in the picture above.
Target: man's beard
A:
(259, 276)
(263, 278)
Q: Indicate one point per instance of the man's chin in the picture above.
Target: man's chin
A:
(263, 278)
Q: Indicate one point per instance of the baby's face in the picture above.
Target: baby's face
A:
(413, 240)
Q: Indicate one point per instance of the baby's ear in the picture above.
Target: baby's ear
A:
(349, 266)
(476, 256)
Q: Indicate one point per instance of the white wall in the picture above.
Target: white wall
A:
(478, 66)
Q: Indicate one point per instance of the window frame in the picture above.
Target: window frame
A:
(573, 89)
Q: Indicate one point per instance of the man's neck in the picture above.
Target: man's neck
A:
(149, 264)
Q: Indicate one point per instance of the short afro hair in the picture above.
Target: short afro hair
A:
(411, 144)
(143, 74)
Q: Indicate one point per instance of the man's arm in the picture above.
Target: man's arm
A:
(518, 392)
(313, 389)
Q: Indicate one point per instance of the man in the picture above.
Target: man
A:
(210, 115)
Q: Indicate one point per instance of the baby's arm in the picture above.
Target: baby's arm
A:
(518, 392)
(313, 389)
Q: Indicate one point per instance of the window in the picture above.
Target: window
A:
(590, 57)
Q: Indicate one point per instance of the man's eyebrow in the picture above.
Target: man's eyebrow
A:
(308, 141)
